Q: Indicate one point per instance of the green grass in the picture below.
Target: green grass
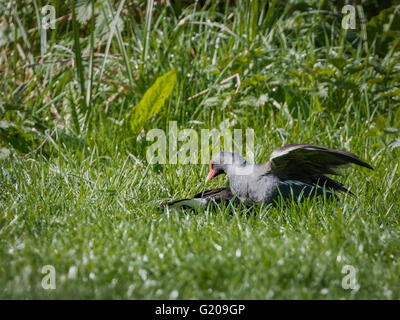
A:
(100, 215)
(87, 202)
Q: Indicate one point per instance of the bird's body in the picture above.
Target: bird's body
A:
(266, 187)
(254, 187)
(293, 171)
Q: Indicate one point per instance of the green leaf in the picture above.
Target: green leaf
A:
(372, 132)
(4, 124)
(153, 100)
(327, 72)
(380, 123)
(384, 28)
(338, 62)
(376, 80)
(83, 11)
(249, 101)
(394, 92)
(391, 130)
(4, 153)
(212, 101)
(394, 144)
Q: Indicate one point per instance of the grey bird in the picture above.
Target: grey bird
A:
(296, 171)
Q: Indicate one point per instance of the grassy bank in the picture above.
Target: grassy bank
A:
(86, 201)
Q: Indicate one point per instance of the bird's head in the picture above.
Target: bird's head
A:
(222, 163)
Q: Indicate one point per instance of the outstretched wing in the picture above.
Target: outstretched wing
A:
(306, 162)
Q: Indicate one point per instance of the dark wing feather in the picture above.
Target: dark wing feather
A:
(219, 193)
(303, 161)
(328, 183)
(202, 199)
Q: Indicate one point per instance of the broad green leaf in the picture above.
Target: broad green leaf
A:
(153, 100)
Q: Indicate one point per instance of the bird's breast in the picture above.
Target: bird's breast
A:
(252, 188)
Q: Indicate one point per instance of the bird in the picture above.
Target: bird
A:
(293, 171)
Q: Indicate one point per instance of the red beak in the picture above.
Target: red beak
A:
(211, 174)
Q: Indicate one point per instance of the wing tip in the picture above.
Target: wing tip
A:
(364, 164)
(370, 167)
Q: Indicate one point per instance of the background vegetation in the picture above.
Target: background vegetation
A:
(76, 191)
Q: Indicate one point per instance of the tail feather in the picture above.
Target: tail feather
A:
(202, 199)
(186, 203)
(328, 183)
